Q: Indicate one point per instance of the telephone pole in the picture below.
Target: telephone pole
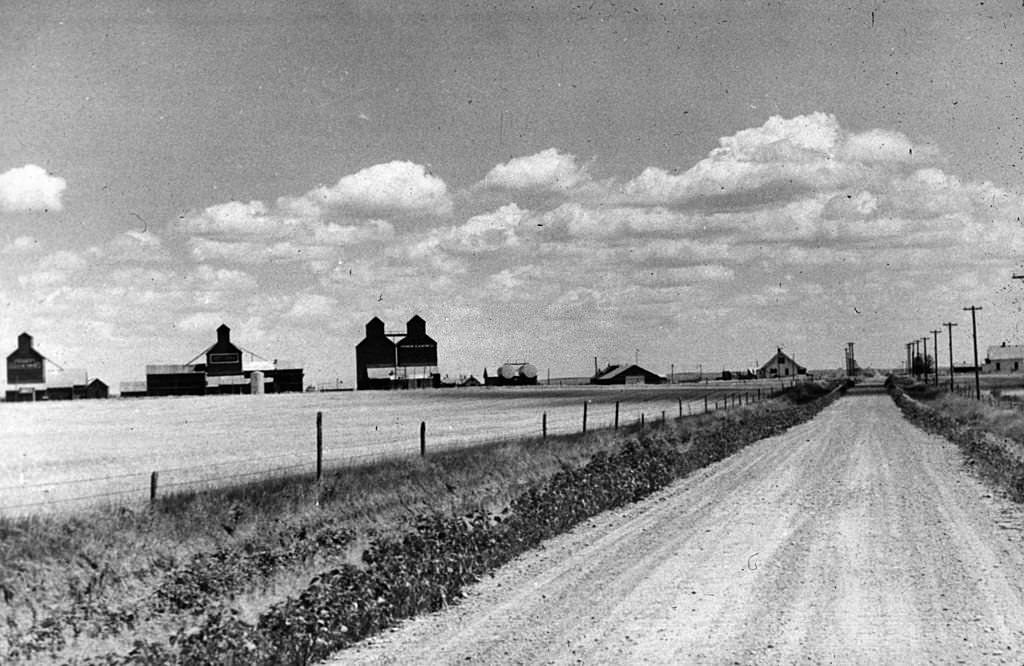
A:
(949, 328)
(924, 361)
(974, 332)
(935, 339)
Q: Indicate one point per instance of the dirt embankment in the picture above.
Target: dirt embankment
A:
(854, 538)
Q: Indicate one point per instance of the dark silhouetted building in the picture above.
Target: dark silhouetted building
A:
(223, 358)
(29, 378)
(627, 374)
(409, 363)
(25, 364)
(223, 373)
(376, 358)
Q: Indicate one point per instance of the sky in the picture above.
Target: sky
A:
(687, 184)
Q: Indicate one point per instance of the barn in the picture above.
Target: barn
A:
(223, 371)
(627, 374)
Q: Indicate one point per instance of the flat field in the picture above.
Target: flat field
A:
(65, 455)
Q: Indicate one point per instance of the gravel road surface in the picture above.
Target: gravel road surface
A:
(854, 538)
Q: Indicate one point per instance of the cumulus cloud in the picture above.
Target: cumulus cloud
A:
(394, 187)
(236, 219)
(30, 188)
(784, 158)
(307, 227)
(313, 306)
(54, 270)
(548, 170)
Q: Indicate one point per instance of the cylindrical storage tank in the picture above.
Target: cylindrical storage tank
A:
(527, 371)
(507, 371)
(256, 382)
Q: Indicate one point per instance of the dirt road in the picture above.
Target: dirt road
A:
(854, 538)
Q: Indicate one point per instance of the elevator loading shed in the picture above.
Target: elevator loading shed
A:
(222, 372)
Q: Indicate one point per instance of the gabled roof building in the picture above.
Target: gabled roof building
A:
(1004, 359)
(382, 363)
(627, 374)
(780, 365)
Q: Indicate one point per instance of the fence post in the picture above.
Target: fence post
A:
(423, 439)
(152, 486)
(544, 426)
(663, 417)
(584, 416)
(705, 404)
(641, 420)
(680, 407)
(319, 446)
(616, 414)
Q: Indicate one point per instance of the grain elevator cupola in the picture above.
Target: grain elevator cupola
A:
(223, 358)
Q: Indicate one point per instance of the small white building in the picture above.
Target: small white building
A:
(1004, 360)
(780, 366)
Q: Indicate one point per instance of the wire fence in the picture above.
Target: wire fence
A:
(587, 415)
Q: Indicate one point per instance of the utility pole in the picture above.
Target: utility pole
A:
(917, 355)
(935, 339)
(906, 347)
(974, 332)
(949, 328)
(924, 361)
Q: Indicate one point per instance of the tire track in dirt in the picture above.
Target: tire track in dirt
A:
(853, 538)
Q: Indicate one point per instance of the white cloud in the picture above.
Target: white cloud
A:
(548, 170)
(251, 252)
(222, 279)
(54, 270)
(879, 145)
(394, 187)
(30, 188)
(787, 156)
(305, 227)
(236, 219)
(201, 321)
(313, 306)
(21, 245)
(140, 246)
